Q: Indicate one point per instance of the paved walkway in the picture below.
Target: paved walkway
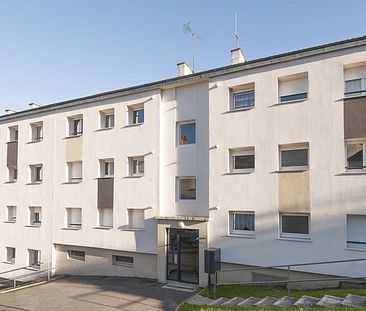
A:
(94, 294)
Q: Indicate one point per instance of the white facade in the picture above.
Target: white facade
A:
(131, 209)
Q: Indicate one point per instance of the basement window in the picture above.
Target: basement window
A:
(77, 255)
(125, 261)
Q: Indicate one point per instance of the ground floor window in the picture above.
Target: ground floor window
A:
(356, 231)
(242, 222)
(294, 225)
(77, 255)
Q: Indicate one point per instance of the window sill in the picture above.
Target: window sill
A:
(73, 136)
(104, 129)
(352, 173)
(11, 141)
(245, 236)
(295, 101)
(103, 228)
(9, 222)
(33, 226)
(105, 177)
(134, 176)
(123, 265)
(292, 170)
(71, 229)
(35, 141)
(10, 182)
(33, 268)
(353, 97)
(238, 173)
(34, 183)
(305, 240)
(132, 125)
(9, 262)
(133, 229)
(238, 110)
(356, 249)
(71, 182)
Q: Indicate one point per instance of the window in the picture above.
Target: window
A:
(73, 216)
(187, 188)
(77, 255)
(105, 217)
(13, 133)
(355, 156)
(10, 254)
(126, 261)
(294, 157)
(136, 166)
(242, 96)
(75, 125)
(136, 218)
(107, 119)
(75, 171)
(136, 114)
(242, 160)
(34, 258)
(356, 231)
(294, 225)
(242, 223)
(36, 131)
(36, 173)
(35, 216)
(355, 80)
(187, 133)
(293, 87)
(106, 167)
(12, 174)
(11, 213)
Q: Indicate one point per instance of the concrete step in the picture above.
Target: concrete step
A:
(306, 302)
(266, 302)
(330, 301)
(218, 302)
(198, 300)
(285, 302)
(249, 302)
(354, 301)
(233, 301)
(182, 287)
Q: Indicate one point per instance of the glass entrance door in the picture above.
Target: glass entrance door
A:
(183, 258)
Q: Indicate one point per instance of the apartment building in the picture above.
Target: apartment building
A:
(265, 159)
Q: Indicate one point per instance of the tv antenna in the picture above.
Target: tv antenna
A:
(236, 31)
(188, 29)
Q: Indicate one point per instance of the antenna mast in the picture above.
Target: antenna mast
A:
(236, 31)
(187, 28)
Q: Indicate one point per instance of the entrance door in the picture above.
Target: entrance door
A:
(183, 260)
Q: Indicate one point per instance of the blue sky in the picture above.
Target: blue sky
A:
(58, 50)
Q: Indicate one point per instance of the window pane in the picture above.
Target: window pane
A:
(294, 97)
(187, 134)
(244, 162)
(244, 99)
(187, 189)
(295, 224)
(354, 156)
(353, 86)
(297, 157)
(244, 222)
(138, 116)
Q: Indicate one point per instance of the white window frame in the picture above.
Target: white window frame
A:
(11, 217)
(36, 169)
(355, 142)
(101, 221)
(13, 133)
(361, 92)
(295, 235)
(33, 221)
(131, 161)
(7, 258)
(233, 231)
(36, 131)
(301, 146)
(71, 126)
(106, 168)
(179, 124)
(237, 92)
(235, 152)
(70, 177)
(289, 78)
(37, 264)
(12, 174)
(130, 211)
(106, 119)
(73, 225)
(131, 110)
(179, 179)
(354, 244)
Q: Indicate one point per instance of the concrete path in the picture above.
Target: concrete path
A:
(94, 294)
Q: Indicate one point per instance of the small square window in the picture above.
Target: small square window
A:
(77, 255)
(136, 114)
(136, 166)
(107, 119)
(242, 223)
(36, 173)
(294, 225)
(36, 131)
(10, 254)
(34, 258)
(242, 160)
(187, 188)
(106, 167)
(126, 261)
(13, 133)
(136, 218)
(187, 133)
(75, 171)
(294, 157)
(243, 99)
(75, 125)
(35, 216)
(356, 156)
(11, 213)
(105, 217)
(73, 217)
